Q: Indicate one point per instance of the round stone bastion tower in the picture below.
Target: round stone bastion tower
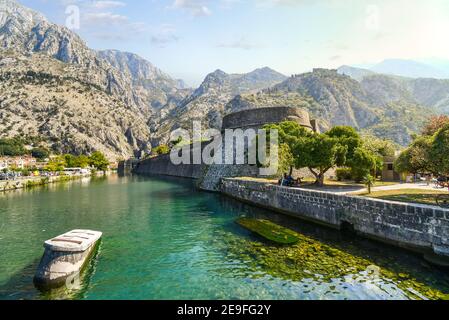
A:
(259, 117)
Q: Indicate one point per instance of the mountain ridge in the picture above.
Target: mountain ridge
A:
(208, 101)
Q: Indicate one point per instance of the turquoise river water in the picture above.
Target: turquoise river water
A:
(163, 239)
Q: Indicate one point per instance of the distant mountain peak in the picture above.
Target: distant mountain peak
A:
(218, 72)
(267, 73)
(9, 8)
(409, 68)
(265, 70)
(355, 73)
(399, 68)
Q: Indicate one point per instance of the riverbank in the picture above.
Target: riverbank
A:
(10, 185)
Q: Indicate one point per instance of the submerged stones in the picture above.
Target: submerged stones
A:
(269, 231)
(312, 262)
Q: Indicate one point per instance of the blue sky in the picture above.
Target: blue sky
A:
(190, 38)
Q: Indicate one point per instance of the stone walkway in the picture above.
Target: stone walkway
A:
(360, 189)
(418, 185)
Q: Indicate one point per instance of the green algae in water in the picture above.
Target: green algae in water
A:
(269, 231)
(311, 259)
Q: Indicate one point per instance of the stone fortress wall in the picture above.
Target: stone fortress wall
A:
(413, 226)
(257, 118)
(209, 176)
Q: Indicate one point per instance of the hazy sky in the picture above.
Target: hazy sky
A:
(190, 38)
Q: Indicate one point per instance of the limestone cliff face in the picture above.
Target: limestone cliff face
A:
(343, 99)
(154, 86)
(25, 30)
(207, 103)
(382, 89)
(43, 97)
(119, 96)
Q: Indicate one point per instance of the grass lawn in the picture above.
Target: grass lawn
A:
(331, 183)
(327, 182)
(407, 195)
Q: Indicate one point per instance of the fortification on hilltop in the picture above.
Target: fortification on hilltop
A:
(257, 118)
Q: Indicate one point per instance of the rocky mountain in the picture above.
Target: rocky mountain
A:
(46, 98)
(26, 31)
(427, 68)
(343, 99)
(355, 73)
(410, 69)
(121, 83)
(160, 87)
(429, 92)
(385, 109)
(207, 103)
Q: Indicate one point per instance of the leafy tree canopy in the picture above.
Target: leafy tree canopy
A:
(40, 153)
(434, 124)
(56, 164)
(382, 147)
(12, 147)
(417, 157)
(162, 149)
(98, 161)
(319, 153)
(439, 152)
(363, 163)
(81, 161)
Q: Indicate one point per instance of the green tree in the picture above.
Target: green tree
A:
(12, 147)
(286, 159)
(56, 164)
(162, 149)
(69, 160)
(40, 153)
(289, 133)
(319, 153)
(439, 151)
(369, 181)
(382, 147)
(347, 137)
(363, 163)
(80, 161)
(98, 161)
(417, 157)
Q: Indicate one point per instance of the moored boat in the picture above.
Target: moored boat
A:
(65, 257)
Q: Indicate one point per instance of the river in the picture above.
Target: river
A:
(163, 239)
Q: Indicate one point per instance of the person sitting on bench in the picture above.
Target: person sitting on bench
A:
(286, 181)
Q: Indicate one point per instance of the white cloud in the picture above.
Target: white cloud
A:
(107, 4)
(105, 18)
(194, 7)
(164, 35)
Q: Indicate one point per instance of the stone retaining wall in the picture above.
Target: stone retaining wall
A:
(208, 176)
(10, 185)
(409, 225)
(162, 165)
